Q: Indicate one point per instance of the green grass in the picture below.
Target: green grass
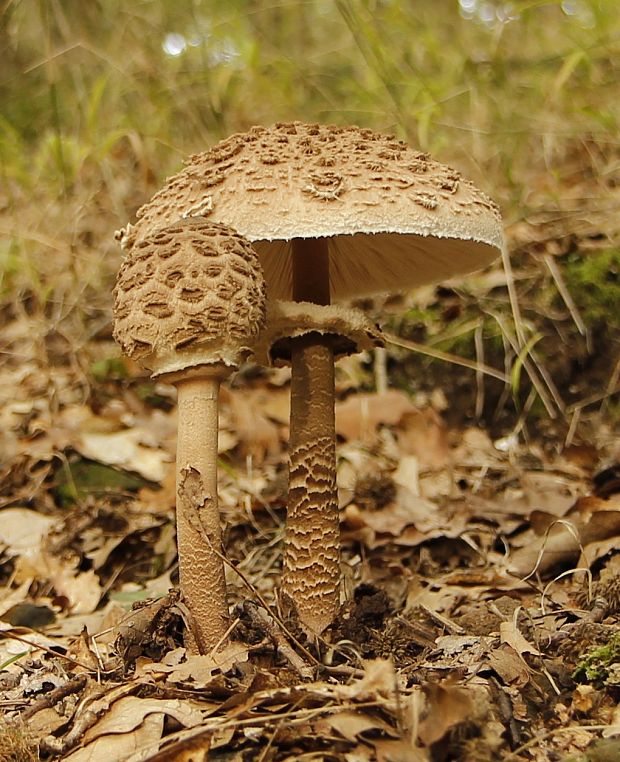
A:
(96, 113)
(594, 282)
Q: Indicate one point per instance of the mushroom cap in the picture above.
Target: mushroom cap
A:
(349, 329)
(394, 218)
(189, 294)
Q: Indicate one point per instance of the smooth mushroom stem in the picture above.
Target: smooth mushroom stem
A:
(199, 536)
(311, 573)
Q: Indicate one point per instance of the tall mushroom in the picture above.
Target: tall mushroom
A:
(189, 302)
(333, 212)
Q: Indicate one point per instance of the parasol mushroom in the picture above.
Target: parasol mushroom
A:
(334, 213)
(189, 302)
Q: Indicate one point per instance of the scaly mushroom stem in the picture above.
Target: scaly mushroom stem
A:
(311, 574)
(199, 537)
(312, 547)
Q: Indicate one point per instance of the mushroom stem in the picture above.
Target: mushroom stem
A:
(199, 536)
(311, 574)
(311, 270)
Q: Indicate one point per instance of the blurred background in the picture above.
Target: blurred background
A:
(102, 100)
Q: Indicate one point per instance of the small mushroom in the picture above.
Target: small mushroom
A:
(189, 302)
(334, 213)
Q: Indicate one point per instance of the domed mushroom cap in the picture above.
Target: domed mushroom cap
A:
(394, 217)
(191, 293)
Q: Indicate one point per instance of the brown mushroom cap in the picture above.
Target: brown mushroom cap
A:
(349, 329)
(189, 294)
(357, 187)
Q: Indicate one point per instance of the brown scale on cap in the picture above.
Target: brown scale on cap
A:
(190, 293)
(274, 184)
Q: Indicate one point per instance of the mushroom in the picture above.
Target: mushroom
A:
(333, 212)
(189, 302)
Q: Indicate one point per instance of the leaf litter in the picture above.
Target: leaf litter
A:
(482, 580)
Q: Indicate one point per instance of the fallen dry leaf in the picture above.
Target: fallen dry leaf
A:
(351, 724)
(423, 433)
(199, 670)
(447, 705)
(614, 726)
(508, 665)
(398, 751)
(258, 435)
(590, 520)
(122, 747)
(23, 531)
(509, 633)
(129, 712)
(379, 680)
(125, 450)
(359, 416)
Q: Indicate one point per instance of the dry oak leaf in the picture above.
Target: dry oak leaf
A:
(447, 705)
(509, 633)
(131, 729)
(199, 670)
(258, 435)
(129, 712)
(359, 416)
(351, 724)
(423, 433)
(125, 747)
(379, 681)
(398, 751)
(125, 450)
(590, 520)
(23, 531)
(508, 665)
(82, 589)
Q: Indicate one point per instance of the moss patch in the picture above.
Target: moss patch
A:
(594, 282)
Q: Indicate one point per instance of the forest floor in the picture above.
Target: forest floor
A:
(480, 528)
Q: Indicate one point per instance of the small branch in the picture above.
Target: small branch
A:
(446, 356)
(262, 619)
(74, 685)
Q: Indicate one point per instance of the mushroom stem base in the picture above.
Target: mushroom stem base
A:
(199, 537)
(311, 575)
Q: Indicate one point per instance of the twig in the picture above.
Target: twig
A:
(442, 621)
(213, 724)
(90, 712)
(261, 618)
(7, 634)
(380, 368)
(549, 734)
(568, 299)
(446, 356)
(74, 685)
(263, 603)
(479, 344)
(587, 401)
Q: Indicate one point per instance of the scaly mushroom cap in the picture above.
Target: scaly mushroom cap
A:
(189, 294)
(355, 186)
